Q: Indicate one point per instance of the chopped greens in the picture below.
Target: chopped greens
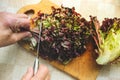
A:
(64, 34)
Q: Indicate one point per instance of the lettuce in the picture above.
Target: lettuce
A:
(108, 40)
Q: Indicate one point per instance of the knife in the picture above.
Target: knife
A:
(36, 62)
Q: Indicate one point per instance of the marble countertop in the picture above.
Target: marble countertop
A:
(14, 60)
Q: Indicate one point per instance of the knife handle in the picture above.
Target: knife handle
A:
(36, 65)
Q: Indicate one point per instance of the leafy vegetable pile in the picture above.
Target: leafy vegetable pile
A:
(107, 38)
(64, 34)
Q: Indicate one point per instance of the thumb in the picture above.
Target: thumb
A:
(28, 75)
(18, 36)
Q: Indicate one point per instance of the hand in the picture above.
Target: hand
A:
(9, 24)
(42, 74)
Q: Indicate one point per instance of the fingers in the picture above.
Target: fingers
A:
(14, 15)
(48, 77)
(42, 74)
(16, 21)
(18, 36)
(22, 16)
(42, 69)
(22, 22)
(29, 74)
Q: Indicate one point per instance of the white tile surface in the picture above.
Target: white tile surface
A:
(15, 60)
(110, 72)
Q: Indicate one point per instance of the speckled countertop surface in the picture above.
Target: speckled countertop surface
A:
(14, 60)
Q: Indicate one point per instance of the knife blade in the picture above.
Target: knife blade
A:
(36, 62)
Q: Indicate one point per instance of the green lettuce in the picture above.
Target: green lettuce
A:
(108, 41)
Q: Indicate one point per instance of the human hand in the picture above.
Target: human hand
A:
(9, 24)
(42, 74)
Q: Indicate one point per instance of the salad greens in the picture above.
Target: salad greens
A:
(107, 38)
(64, 34)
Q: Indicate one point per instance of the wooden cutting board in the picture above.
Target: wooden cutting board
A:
(83, 67)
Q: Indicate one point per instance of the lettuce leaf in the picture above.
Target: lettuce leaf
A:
(108, 38)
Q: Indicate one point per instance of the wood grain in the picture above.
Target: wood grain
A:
(83, 67)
